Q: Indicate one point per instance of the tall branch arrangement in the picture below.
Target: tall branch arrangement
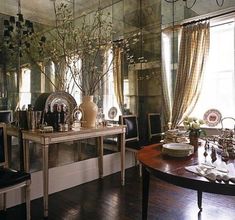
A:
(77, 49)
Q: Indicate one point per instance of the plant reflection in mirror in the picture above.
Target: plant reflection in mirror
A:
(77, 48)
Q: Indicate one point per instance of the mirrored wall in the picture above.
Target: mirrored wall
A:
(22, 81)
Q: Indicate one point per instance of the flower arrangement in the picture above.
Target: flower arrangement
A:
(193, 125)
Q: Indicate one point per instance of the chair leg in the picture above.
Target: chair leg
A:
(4, 201)
(135, 155)
(138, 163)
(140, 169)
(27, 198)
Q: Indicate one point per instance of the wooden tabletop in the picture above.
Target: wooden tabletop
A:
(173, 170)
(58, 137)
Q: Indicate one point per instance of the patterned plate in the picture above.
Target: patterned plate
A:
(112, 112)
(212, 117)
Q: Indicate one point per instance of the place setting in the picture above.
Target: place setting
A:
(215, 166)
(216, 172)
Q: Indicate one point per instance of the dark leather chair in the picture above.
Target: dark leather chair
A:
(6, 116)
(155, 134)
(12, 179)
(132, 140)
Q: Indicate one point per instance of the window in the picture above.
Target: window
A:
(126, 93)
(218, 90)
(109, 97)
(25, 95)
(67, 76)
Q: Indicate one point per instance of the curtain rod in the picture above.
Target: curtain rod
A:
(177, 26)
(207, 18)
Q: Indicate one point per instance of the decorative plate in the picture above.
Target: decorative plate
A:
(77, 114)
(212, 117)
(112, 113)
(60, 98)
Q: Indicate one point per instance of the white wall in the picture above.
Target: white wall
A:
(71, 175)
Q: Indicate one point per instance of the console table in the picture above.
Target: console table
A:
(172, 170)
(45, 139)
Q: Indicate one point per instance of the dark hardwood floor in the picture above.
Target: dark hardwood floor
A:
(107, 200)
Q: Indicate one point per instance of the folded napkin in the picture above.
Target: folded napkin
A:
(216, 171)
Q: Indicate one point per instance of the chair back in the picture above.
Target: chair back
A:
(227, 122)
(6, 116)
(3, 145)
(154, 124)
(132, 130)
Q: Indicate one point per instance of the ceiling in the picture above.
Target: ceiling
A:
(42, 11)
(202, 7)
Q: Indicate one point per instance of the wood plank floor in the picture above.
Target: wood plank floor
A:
(107, 200)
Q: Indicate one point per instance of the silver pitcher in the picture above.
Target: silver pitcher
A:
(34, 119)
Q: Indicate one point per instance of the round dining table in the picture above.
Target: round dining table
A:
(172, 170)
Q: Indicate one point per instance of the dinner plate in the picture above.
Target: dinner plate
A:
(177, 149)
(112, 113)
(212, 117)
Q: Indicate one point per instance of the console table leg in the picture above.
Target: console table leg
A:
(101, 153)
(145, 193)
(199, 199)
(123, 156)
(45, 179)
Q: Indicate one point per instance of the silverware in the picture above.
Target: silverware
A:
(218, 177)
(211, 176)
(225, 178)
(232, 179)
(211, 166)
(219, 174)
(205, 172)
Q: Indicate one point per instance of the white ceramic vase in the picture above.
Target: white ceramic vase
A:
(89, 111)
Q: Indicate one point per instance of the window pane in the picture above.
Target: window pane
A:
(109, 97)
(25, 95)
(219, 85)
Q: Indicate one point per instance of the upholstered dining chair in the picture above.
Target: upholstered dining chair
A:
(12, 179)
(6, 116)
(155, 133)
(132, 140)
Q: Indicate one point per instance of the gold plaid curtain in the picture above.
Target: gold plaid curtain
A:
(166, 77)
(194, 48)
(118, 78)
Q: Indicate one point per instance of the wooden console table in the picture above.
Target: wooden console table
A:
(45, 139)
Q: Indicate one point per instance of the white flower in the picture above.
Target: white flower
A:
(186, 123)
(192, 123)
(195, 125)
(190, 119)
(186, 127)
(201, 122)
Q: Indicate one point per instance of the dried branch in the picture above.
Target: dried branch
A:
(79, 41)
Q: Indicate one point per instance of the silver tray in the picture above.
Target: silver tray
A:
(59, 98)
(62, 98)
